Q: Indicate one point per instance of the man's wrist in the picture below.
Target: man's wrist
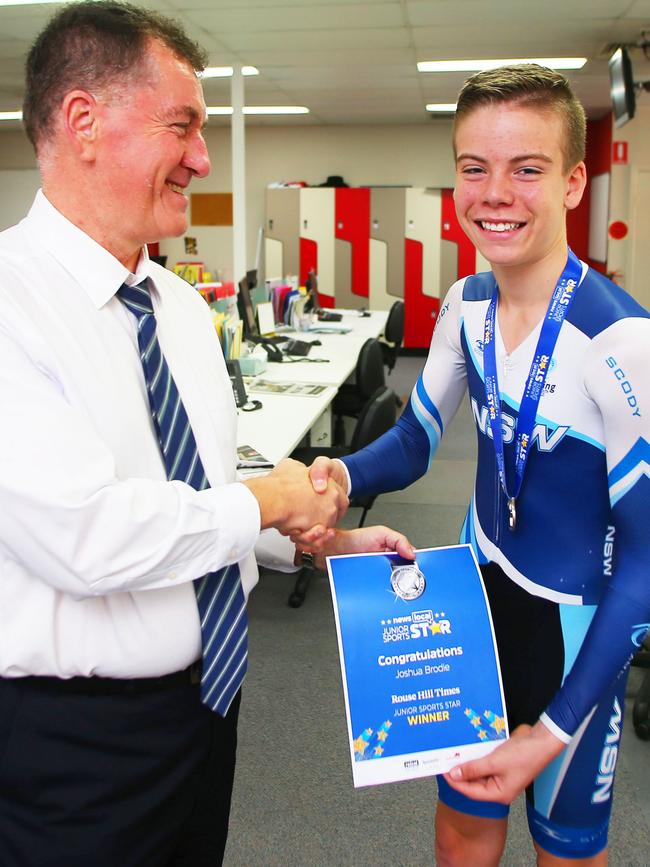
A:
(266, 494)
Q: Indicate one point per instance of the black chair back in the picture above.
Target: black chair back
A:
(394, 331)
(393, 335)
(377, 416)
(370, 369)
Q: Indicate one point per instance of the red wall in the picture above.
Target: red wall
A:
(598, 161)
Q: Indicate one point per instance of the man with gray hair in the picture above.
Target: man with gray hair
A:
(126, 540)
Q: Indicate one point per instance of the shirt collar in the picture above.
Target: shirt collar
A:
(96, 270)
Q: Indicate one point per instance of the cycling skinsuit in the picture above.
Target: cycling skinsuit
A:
(581, 542)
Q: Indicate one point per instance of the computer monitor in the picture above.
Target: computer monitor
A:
(621, 87)
(311, 285)
(251, 277)
(245, 307)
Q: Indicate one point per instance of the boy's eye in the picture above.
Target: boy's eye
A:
(529, 170)
(472, 170)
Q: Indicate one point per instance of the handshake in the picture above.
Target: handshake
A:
(305, 503)
(302, 502)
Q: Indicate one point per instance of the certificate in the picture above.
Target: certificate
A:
(419, 661)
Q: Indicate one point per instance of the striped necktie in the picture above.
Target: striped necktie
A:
(219, 595)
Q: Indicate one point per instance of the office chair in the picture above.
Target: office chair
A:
(377, 416)
(393, 335)
(352, 397)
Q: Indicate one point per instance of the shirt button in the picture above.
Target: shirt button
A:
(173, 575)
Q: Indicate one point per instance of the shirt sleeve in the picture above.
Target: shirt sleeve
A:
(67, 517)
(617, 380)
(404, 453)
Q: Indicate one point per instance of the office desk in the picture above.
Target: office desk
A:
(283, 421)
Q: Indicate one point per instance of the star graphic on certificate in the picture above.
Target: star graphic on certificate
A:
(359, 746)
(387, 724)
(434, 627)
(476, 721)
(498, 724)
(378, 751)
(482, 734)
(381, 735)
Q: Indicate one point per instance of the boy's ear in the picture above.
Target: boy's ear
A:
(80, 122)
(575, 187)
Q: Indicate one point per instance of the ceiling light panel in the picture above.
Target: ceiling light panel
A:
(480, 65)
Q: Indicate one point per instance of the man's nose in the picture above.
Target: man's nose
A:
(197, 158)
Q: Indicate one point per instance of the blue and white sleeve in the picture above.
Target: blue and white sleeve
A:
(618, 382)
(404, 453)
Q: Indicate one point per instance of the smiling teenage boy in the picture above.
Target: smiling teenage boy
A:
(555, 359)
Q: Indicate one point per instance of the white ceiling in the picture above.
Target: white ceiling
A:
(353, 62)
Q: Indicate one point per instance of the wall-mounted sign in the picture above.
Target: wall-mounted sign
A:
(619, 153)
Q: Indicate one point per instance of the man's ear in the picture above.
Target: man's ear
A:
(576, 183)
(80, 122)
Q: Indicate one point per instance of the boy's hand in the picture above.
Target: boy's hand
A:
(504, 774)
(361, 541)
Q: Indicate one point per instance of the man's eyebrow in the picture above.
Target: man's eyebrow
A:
(189, 111)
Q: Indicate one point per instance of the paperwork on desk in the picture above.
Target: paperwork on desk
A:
(419, 661)
(324, 328)
(301, 389)
(250, 462)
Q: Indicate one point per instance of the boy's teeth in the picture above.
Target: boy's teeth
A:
(499, 227)
(175, 188)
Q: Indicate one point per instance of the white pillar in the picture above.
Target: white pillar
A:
(238, 145)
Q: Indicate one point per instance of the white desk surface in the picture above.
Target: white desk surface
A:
(277, 428)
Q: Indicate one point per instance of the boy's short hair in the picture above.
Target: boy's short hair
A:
(94, 46)
(530, 86)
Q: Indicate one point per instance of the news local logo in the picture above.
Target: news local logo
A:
(417, 625)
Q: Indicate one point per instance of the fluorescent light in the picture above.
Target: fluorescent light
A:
(259, 109)
(276, 109)
(11, 115)
(443, 107)
(29, 2)
(480, 65)
(224, 71)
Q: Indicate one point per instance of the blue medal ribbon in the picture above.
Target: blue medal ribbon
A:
(558, 307)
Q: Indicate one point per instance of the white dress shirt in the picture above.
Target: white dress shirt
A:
(97, 549)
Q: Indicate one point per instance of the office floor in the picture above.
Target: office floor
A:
(294, 804)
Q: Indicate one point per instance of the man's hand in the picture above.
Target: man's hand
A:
(289, 503)
(361, 541)
(504, 774)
